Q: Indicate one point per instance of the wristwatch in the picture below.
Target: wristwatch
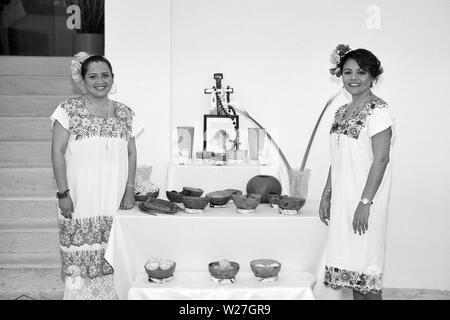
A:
(365, 201)
(62, 195)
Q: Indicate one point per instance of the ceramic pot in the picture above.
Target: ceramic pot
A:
(246, 202)
(263, 185)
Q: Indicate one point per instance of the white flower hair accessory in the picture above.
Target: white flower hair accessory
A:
(336, 57)
(75, 66)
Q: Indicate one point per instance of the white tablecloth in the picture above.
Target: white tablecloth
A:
(194, 240)
(212, 178)
(199, 286)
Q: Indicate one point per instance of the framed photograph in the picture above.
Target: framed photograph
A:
(219, 132)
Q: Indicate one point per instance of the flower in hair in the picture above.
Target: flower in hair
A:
(336, 57)
(75, 67)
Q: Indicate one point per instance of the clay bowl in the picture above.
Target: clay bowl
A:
(272, 198)
(174, 196)
(234, 191)
(160, 273)
(265, 268)
(246, 202)
(198, 203)
(219, 273)
(192, 192)
(291, 203)
(219, 198)
(143, 197)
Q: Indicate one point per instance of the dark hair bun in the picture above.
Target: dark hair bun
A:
(366, 61)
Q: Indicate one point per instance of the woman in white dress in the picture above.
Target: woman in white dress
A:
(354, 203)
(94, 163)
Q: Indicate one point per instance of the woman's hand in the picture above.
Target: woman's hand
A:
(324, 208)
(128, 199)
(361, 218)
(66, 207)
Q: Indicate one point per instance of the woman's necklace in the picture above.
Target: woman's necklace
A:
(104, 116)
(347, 115)
(92, 109)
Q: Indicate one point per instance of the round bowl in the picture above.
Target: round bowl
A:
(159, 271)
(219, 198)
(246, 202)
(291, 203)
(192, 192)
(265, 268)
(234, 191)
(198, 203)
(143, 197)
(174, 196)
(223, 273)
(272, 198)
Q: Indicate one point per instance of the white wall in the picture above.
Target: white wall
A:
(137, 42)
(276, 54)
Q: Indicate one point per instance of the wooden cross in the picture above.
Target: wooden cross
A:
(218, 92)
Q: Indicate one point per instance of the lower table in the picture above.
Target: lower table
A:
(194, 240)
(199, 286)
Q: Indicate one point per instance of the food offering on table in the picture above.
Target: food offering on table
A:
(175, 196)
(290, 205)
(159, 270)
(272, 198)
(145, 189)
(195, 204)
(266, 270)
(246, 203)
(192, 192)
(223, 271)
(233, 192)
(219, 199)
(154, 206)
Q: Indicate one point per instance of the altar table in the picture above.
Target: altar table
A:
(194, 240)
(199, 286)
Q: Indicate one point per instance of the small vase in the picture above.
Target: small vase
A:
(298, 183)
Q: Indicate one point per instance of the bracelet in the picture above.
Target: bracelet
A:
(129, 185)
(63, 195)
(326, 192)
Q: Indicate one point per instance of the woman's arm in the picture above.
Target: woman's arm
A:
(325, 200)
(327, 189)
(60, 137)
(381, 143)
(128, 197)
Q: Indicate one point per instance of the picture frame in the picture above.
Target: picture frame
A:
(219, 132)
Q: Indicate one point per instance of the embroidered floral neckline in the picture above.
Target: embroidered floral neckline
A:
(95, 115)
(352, 125)
(83, 124)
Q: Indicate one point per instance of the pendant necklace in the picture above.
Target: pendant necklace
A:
(108, 113)
(346, 116)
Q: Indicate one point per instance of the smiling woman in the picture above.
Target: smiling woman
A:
(358, 184)
(94, 163)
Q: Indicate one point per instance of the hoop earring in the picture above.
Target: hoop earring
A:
(113, 87)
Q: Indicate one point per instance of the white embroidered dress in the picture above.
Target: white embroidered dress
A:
(97, 170)
(352, 260)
